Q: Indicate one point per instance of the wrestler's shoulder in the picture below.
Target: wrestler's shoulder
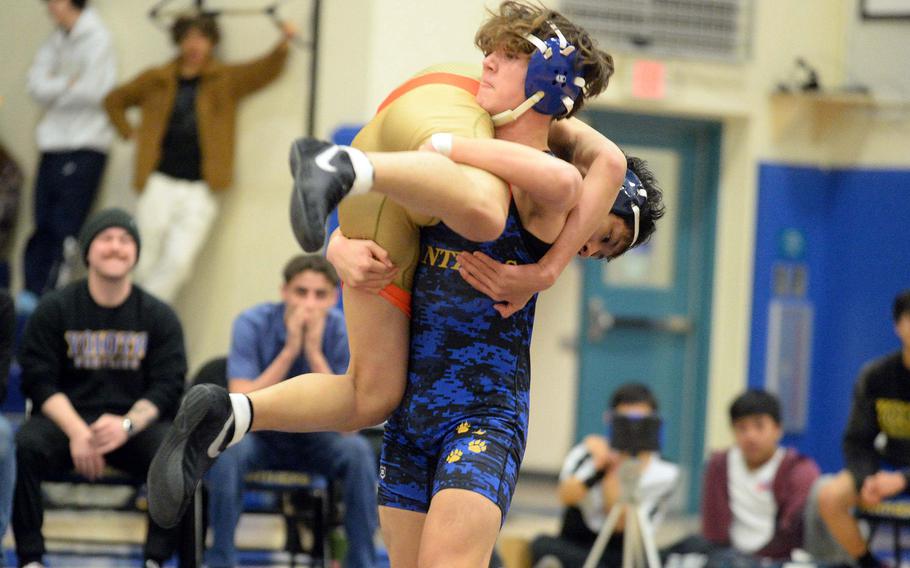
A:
(464, 69)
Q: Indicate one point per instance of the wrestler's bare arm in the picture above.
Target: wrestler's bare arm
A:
(552, 183)
(603, 166)
(361, 264)
(590, 152)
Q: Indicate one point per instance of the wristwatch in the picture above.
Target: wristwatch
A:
(127, 426)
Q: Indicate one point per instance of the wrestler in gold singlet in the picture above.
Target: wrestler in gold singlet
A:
(438, 99)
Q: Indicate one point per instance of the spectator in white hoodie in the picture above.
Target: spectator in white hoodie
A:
(72, 73)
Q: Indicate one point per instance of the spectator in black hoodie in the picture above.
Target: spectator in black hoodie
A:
(103, 363)
(876, 443)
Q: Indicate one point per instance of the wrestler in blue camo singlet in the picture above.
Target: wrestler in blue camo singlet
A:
(462, 422)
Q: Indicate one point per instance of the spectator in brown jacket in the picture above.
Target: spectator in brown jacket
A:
(185, 144)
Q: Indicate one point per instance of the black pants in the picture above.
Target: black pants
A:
(64, 191)
(42, 452)
(574, 543)
(572, 554)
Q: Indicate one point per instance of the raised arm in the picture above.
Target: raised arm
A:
(253, 75)
(603, 166)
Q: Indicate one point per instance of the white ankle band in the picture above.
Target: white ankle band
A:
(363, 171)
(242, 416)
(442, 141)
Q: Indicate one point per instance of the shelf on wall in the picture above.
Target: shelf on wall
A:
(822, 109)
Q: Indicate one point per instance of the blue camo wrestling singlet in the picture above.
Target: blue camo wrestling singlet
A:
(463, 420)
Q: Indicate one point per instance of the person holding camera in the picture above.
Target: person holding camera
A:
(589, 487)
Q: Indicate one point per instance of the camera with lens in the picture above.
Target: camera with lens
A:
(635, 434)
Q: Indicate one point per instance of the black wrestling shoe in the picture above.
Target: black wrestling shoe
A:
(202, 429)
(323, 175)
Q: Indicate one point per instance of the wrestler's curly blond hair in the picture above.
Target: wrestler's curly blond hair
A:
(507, 27)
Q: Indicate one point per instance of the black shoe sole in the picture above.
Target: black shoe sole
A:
(167, 491)
(307, 222)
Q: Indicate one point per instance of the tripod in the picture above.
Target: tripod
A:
(638, 548)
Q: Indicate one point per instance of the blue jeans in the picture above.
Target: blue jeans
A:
(7, 475)
(348, 458)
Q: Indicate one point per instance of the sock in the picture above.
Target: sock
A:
(363, 171)
(243, 416)
(26, 560)
(868, 561)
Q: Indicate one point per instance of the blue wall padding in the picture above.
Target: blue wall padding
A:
(857, 252)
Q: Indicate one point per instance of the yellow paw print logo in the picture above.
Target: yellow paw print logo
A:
(454, 456)
(480, 432)
(477, 446)
(463, 427)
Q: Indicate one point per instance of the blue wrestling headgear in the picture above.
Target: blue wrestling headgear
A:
(552, 83)
(631, 203)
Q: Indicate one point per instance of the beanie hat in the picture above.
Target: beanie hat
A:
(105, 219)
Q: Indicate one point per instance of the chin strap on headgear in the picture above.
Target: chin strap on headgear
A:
(552, 84)
(631, 203)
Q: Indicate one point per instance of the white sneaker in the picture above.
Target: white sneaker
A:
(34, 565)
(548, 561)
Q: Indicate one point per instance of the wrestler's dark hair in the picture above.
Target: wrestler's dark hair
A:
(507, 27)
(633, 393)
(204, 23)
(655, 209)
(77, 4)
(901, 305)
(313, 262)
(755, 402)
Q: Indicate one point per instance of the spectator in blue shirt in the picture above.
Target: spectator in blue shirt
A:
(271, 342)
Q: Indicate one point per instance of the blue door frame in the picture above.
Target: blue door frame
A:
(674, 364)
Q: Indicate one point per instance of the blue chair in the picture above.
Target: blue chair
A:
(894, 512)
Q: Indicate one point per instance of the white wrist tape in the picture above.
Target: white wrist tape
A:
(442, 141)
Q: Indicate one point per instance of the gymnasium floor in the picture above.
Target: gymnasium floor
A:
(535, 510)
(70, 534)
